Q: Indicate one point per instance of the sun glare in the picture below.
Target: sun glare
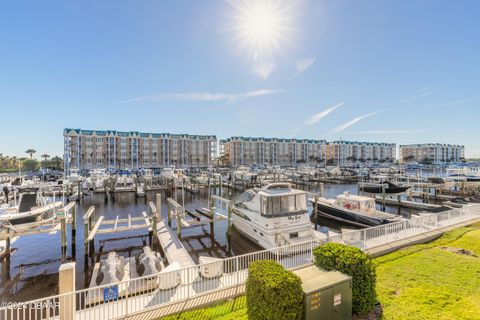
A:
(262, 26)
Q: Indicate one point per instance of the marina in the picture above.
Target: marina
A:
(185, 228)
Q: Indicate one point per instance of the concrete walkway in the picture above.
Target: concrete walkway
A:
(418, 239)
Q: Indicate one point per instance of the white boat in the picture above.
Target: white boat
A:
(353, 210)
(244, 174)
(463, 174)
(95, 179)
(275, 215)
(73, 175)
(203, 178)
(31, 211)
(167, 172)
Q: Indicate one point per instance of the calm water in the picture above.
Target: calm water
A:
(32, 271)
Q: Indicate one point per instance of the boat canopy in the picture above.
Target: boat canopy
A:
(357, 203)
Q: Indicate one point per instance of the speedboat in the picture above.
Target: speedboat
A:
(354, 210)
(273, 216)
(389, 188)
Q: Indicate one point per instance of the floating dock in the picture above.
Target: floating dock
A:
(408, 204)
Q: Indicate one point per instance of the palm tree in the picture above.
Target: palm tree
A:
(45, 156)
(57, 162)
(31, 152)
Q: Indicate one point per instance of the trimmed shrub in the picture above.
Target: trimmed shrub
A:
(355, 263)
(273, 293)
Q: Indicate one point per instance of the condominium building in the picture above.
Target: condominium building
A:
(345, 152)
(87, 149)
(236, 151)
(436, 153)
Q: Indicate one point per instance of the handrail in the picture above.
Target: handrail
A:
(236, 268)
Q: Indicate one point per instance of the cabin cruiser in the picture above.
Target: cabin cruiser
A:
(95, 179)
(73, 175)
(32, 210)
(273, 216)
(355, 210)
(244, 174)
(167, 172)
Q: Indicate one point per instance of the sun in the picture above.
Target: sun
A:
(262, 26)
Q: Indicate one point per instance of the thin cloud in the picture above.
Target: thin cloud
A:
(355, 120)
(303, 64)
(205, 96)
(452, 103)
(421, 94)
(263, 69)
(318, 116)
(398, 131)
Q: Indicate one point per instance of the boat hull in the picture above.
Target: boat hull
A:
(348, 217)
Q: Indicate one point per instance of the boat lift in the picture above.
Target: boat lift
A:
(188, 219)
(94, 227)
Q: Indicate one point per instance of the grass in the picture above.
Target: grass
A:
(229, 310)
(428, 282)
(418, 282)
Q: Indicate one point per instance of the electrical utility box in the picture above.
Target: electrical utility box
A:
(327, 294)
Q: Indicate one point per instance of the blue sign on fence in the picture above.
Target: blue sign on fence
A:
(110, 293)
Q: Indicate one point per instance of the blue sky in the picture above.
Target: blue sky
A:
(389, 71)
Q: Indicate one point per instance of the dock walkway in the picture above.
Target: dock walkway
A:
(172, 246)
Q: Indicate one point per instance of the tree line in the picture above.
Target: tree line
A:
(14, 163)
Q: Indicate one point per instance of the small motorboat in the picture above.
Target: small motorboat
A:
(389, 187)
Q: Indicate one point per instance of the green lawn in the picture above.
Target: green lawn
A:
(228, 310)
(418, 282)
(428, 282)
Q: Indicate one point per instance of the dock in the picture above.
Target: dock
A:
(172, 246)
(408, 204)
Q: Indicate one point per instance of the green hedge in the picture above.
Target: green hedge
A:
(355, 263)
(273, 293)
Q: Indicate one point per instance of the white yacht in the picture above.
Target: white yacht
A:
(275, 215)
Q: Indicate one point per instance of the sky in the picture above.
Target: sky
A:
(386, 71)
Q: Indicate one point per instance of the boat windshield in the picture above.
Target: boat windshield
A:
(245, 197)
(284, 205)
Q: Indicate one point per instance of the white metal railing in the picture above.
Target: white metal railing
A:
(149, 292)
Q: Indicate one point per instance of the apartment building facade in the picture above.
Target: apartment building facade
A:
(88, 149)
(346, 152)
(237, 151)
(436, 153)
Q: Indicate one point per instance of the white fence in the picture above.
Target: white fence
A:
(150, 292)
